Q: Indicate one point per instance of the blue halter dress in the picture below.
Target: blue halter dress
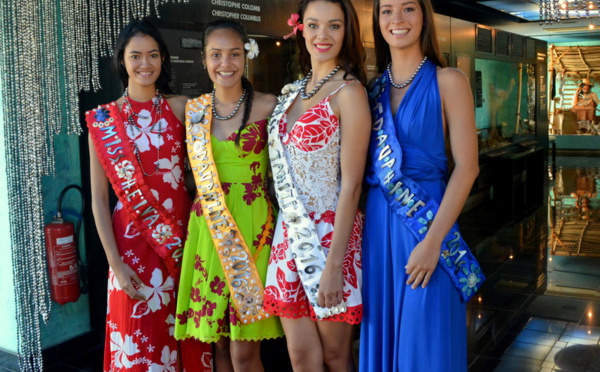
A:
(403, 329)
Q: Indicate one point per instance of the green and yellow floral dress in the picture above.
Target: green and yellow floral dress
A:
(204, 307)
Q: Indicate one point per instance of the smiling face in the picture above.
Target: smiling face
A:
(224, 57)
(142, 61)
(401, 22)
(323, 30)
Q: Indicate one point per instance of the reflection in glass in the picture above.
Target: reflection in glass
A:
(574, 221)
(506, 114)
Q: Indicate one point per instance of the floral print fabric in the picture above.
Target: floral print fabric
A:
(139, 334)
(312, 147)
(204, 308)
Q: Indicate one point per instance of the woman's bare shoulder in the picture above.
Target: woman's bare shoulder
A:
(177, 100)
(450, 74)
(265, 103)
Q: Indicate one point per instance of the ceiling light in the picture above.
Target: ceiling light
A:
(567, 29)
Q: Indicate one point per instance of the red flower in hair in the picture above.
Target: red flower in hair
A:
(293, 22)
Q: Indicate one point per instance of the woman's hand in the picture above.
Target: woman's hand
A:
(421, 263)
(331, 287)
(129, 281)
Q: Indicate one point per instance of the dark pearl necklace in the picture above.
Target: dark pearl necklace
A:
(156, 107)
(235, 110)
(318, 86)
(400, 86)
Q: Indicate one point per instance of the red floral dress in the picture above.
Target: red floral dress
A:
(139, 334)
(312, 149)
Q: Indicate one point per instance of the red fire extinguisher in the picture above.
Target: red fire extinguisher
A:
(64, 261)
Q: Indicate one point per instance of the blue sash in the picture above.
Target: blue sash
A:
(405, 197)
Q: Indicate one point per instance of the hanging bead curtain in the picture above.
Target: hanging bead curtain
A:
(556, 10)
(49, 51)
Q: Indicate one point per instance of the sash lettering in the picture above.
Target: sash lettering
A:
(414, 206)
(241, 274)
(154, 222)
(305, 246)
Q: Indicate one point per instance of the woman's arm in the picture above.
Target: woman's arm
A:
(128, 279)
(575, 101)
(355, 125)
(177, 104)
(262, 107)
(457, 104)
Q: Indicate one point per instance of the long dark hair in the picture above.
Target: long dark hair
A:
(140, 28)
(352, 55)
(429, 44)
(238, 28)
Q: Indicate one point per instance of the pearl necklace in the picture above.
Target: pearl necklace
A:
(156, 102)
(235, 110)
(400, 86)
(318, 86)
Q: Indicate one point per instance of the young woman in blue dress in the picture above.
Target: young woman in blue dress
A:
(414, 310)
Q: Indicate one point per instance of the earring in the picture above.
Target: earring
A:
(204, 67)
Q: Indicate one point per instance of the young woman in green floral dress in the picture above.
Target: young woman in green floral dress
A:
(231, 224)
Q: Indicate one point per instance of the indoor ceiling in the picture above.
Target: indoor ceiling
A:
(522, 17)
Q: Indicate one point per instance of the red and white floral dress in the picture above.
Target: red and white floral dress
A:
(312, 148)
(139, 334)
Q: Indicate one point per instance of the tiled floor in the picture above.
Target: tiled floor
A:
(536, 312)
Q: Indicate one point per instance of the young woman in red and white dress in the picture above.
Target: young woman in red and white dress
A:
(319, 136)
(137, 145)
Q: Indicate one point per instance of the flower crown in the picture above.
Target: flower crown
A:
(252, 47)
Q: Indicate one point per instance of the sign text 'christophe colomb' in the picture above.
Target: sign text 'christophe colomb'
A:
(236, 10)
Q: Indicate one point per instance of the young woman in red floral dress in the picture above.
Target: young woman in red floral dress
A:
(137, 145)
(318, 138)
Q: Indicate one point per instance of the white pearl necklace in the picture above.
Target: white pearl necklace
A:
(400, 86)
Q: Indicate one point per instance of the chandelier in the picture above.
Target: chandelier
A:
(557, 10)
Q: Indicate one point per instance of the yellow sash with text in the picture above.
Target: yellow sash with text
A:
(243, 280)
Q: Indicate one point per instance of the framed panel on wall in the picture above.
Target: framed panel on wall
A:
(478, 89)
(187, 75)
